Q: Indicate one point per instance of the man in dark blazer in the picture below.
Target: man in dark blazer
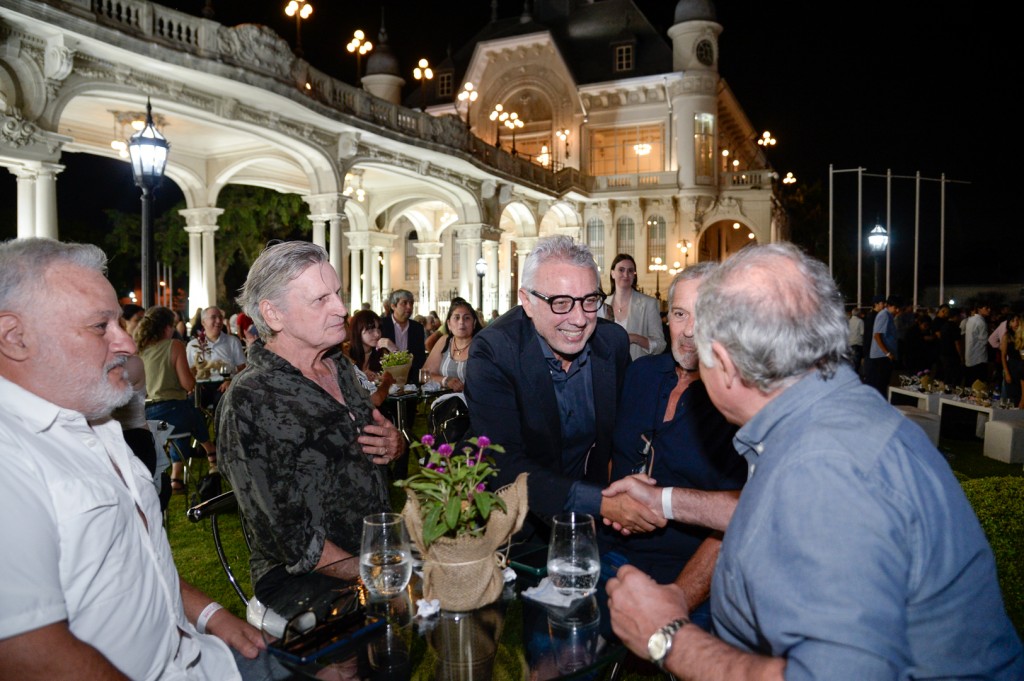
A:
(543, 382)
(407, 333)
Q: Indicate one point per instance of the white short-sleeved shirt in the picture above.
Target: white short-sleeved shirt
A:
(75, 548)
(226, 348)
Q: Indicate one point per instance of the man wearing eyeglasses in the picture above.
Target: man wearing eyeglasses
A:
(544, 384)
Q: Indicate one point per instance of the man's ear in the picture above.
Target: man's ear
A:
(13, 344)
(271, 315)
(723, 359)
(524, 300)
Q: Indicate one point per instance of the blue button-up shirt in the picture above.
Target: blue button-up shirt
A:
(853, 552)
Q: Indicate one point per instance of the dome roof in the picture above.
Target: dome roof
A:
(382, 60)
(695, 10)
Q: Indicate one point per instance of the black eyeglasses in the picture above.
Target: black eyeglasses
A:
(564, 304)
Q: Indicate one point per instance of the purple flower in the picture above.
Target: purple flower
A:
(470, 462)
(481, 487)
(445, 450)
(427, 439)
(440, 469)
(483, 442)
(430, 465)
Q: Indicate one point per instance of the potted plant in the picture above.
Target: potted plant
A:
(458, 524)
(397, 364)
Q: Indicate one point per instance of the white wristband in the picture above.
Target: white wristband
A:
(209, 611)
(666, 502)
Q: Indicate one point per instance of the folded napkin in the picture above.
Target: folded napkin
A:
(425, 608)
(546, 593)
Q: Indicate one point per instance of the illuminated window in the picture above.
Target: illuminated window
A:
(627, 150)
(444, 84)
(624, 236)
(623, 58)
(704, 148)
(656, 237)
(595, 239)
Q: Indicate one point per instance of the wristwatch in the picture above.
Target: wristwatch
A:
(660, 642)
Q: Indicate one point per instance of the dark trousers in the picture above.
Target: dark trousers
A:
(877, 372)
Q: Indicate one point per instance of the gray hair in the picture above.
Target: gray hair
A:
(270, 275)
(560, 248)
(23, 261)
(399, 294)
(778, 314)
(697, 271)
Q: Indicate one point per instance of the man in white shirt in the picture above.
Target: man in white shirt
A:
(976, 345)
(89, 588)
(217, 348)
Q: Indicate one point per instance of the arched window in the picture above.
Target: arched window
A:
(412, 263)
(595, 239)
(655, 237)
(625, 240)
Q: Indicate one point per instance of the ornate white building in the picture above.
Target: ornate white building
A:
(623, 139)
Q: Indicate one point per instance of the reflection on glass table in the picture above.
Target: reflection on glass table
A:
(342, 633)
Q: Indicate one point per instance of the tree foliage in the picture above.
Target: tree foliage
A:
(253, 216)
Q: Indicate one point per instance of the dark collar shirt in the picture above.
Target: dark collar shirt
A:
(693, 450)
(854, 552)
(289, 450)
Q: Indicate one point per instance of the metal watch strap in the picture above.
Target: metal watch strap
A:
(669, 631)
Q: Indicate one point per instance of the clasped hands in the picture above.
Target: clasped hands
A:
(381, 440)
(633, 505)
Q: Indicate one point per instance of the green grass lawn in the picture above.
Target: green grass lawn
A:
(193, 549)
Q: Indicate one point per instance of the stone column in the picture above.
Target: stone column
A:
(46, 200)
(370, 294)
(354, 282)
(432, 296)
(523, 247)
(336, 246)
(385, 282)
(26, 202)
(375, 285)
(490, 254)
(201, 224)
(469, 249)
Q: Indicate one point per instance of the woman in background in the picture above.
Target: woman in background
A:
(365, 348)
(636, 312)
(168, 384)
(447, 359)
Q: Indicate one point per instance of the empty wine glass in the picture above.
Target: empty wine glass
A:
(385, 561)
(573, 564)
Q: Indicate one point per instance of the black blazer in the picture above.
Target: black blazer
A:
(417, 340)
(512, 401)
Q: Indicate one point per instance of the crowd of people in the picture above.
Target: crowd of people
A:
(767, 514)
(957, 346)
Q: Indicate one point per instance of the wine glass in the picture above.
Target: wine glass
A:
(385, 561)
(573, 563)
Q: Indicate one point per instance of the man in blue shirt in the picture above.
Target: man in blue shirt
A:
(673, 432)
(853, 552)
(884, 344)
(543, 382)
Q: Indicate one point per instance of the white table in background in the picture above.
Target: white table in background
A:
(985, 414)
(927, 401)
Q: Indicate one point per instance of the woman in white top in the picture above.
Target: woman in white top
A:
(637, 313)
(447, 359)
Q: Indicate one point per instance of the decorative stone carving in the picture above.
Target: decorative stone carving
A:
(256, 47)
(58, 59)
(17, 132)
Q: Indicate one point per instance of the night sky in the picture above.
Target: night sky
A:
(880, 85)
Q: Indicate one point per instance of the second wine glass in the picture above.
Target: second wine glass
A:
(385, 561)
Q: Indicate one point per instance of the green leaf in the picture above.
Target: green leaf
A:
(452, 513)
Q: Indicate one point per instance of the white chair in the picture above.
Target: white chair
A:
(1004, 441)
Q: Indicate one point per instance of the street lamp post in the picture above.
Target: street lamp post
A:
(513, 122)
(657, 266)
(148, 151)
(359, 46)
(423, 73)
(468, 95)
(878, 239)
(563, 135)
(300, 9)
(481, 270)
(684, 248)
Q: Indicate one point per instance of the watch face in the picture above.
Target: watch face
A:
(706, 52)
(657, 645)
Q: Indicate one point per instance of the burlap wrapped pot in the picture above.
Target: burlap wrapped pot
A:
(464, 573)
